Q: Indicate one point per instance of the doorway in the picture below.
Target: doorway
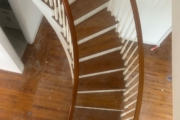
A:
(11, 28)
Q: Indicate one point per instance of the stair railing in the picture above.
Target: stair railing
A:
(62, 14)
(129, 29)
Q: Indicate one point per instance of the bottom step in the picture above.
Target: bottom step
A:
(88, 114)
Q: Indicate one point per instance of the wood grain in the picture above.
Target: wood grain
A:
(101, 100)
(157, 95)
(108, 81)
(43, 91)
(102, 63)
(84, 114)
(82, 7)
(96, 23)
(101, 43)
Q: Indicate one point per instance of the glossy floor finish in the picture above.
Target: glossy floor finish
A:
(43, 91)
(157, 100)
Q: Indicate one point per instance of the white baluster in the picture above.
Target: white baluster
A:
(67, 30)
(126, 31)
(55, 10)
(51, 3)
(131, 56)
(127, 84)
(125, 54)
(46, 0)
(60, 14)
(126, 70)
(131, 88)
(126, 99)
(127, 41)
(122, 12)
(114, 8)
(119, 7)
(126, 106)
(119, 25)
(109, 5)
(127, 76)
(64, 21)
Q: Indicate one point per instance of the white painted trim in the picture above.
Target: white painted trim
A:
(100, 54)
(71, 1)
(36, 30)
(164, 36)
(19, 18)
(100, 73)
(88, 15)
(93, 108)
(96, 34)
(101, 91)
(11, 52)
(22, 24)
(48, 14)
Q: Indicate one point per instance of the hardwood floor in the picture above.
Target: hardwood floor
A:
(157, 100)
(43, 91)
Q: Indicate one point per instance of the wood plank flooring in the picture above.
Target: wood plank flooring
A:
(157, 100)
(43, 91)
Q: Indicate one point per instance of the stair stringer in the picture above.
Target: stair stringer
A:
(48, 13)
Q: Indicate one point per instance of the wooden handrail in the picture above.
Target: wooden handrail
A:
(141, 58)
(75, 67)
(76, 56)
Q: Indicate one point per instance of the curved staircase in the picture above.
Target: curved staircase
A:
(103, 55)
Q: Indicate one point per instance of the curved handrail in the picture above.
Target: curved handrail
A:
(141, 58)
(129, 25)
(68, 30)
(76, 57)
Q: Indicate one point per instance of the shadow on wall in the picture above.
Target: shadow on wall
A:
(11, 28)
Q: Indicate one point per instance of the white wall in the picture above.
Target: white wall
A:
(176, 59)
(156, 19)
(28, 16)
(155, 16)
(9, 59)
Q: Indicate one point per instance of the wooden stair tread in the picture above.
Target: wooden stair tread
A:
(108, 81)
(94, 24)
(106, 100)
(106, 62)
(88, 114)
(101, 43)
(81, 7)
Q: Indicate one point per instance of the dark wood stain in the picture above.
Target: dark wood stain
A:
(108, 81)
(105, 100)
(94, 24)
(107, 41)
(82, 7)
(157, 94)
(43, 91)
